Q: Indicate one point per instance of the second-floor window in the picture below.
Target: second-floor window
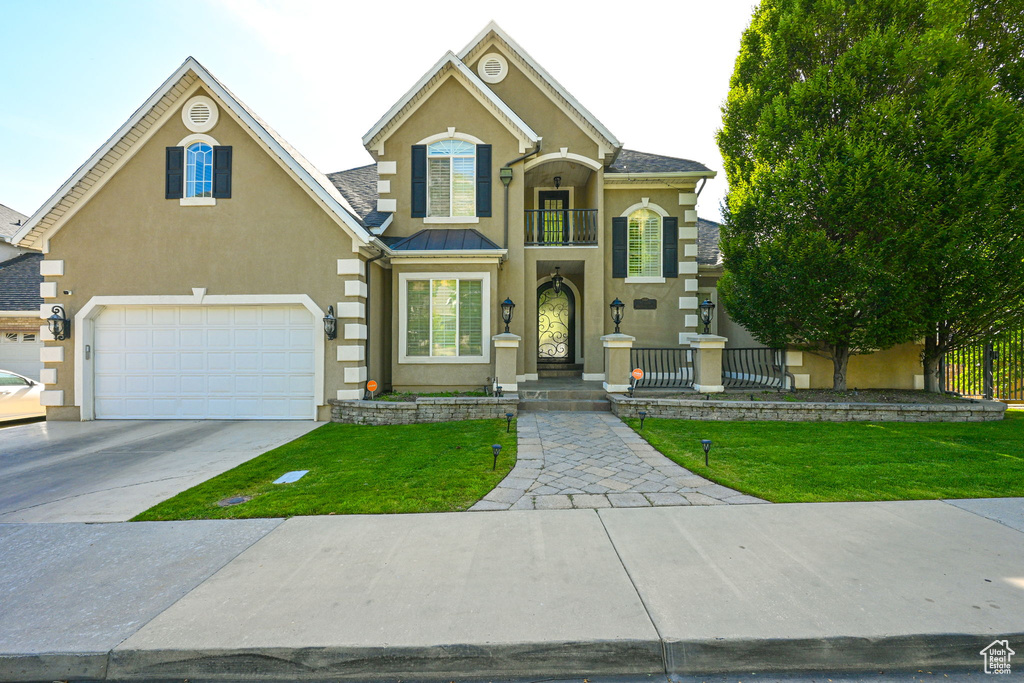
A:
(199, 170)
(451, 179)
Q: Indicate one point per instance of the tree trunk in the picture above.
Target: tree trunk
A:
(840, 361)
(932, 361)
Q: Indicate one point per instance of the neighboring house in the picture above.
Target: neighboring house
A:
(198, 253)
(11, 222)
(20, 341)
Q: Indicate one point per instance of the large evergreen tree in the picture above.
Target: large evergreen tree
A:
(874, 164)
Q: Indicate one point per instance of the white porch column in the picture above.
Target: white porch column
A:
(707, 366)
(616, 362)
(506, 349)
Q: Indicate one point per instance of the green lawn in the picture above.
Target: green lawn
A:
(793, 462)
(355, 469)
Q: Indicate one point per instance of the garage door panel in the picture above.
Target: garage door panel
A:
(225, 362)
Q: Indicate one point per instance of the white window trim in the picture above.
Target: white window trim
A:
(185, 142)
(451, 181)
(403, 317)
(442, 220)
(646, 279)
(85, 326)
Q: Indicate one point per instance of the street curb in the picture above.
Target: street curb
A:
(910, 653)
(441, 661)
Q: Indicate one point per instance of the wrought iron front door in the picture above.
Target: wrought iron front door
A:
(556, 325)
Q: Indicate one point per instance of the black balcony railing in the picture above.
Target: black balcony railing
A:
(561, 227)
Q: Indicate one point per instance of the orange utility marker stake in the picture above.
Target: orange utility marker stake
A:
(371, 386)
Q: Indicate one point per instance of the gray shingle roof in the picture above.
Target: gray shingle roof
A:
(359, 187)
(10, 222)
(631, 161)
(19, 283)
(708, 251)
(446, 239)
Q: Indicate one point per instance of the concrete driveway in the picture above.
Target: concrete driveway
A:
(109, 471)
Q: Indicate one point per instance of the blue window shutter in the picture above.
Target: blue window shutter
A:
(419, 181)
(670, 246)
(222, 172)
(483, 180)
(620, 225)
(174, 187)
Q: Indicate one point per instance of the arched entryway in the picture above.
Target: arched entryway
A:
(556, 325)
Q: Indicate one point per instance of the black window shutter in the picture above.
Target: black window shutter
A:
(419, 181)
(175, 185)
(483, 180)
(222, 172)
(619, 250)
(670, 246)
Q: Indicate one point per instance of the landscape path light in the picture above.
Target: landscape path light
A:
(706, 443)
(643, 416)
(497, 449)
(508, 422)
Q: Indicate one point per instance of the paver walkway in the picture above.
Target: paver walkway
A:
(594, 460)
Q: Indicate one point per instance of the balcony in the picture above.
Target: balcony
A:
(560, 227)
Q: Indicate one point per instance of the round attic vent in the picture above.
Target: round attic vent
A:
(493, 68)
(199, 114)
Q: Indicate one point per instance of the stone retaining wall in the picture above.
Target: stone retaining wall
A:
(423, 410)
(786, 411)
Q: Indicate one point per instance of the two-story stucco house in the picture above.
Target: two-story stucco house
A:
(197, 254)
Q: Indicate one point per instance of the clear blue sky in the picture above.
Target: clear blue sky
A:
(322, 72)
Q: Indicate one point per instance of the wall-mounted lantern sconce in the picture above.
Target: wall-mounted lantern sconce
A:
(556, 281)
(506, 312)
(617, 308)
(330, 324)
(60, 326)
(497, 449)
(707, 311)
(506, 175)
(558, 181)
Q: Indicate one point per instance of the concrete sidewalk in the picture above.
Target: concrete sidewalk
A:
(679, 590)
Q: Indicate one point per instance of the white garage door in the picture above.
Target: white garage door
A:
(19, 353)
(215, 362)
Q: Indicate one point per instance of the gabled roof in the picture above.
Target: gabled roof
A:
(10, 222)
(19, 283)
(469, 52)
(445, 239)
(447, 64)
(359, 187)
(631, 161)
(165, 97)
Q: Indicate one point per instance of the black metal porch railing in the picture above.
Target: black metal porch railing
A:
(754, 368)
(560, 227)
(663, 368)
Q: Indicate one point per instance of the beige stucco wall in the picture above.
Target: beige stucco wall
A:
(651, 328)
(270, 237)
(538, 110)
(894, 368)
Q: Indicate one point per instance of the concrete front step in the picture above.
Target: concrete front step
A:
(563, 394)
(553, 371)
(539, 405)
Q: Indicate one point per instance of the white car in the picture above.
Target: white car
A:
(19, 397)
